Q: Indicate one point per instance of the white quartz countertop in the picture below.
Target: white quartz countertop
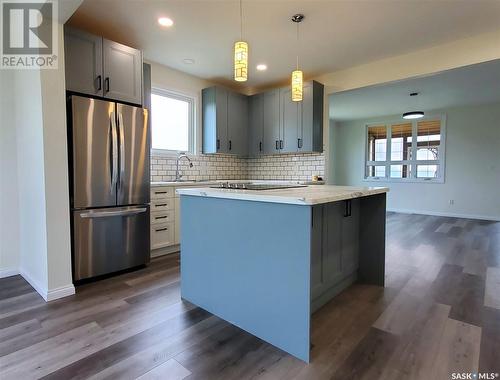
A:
(309, 195)
(204, 183)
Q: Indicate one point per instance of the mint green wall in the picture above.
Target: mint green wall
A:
(472, 173)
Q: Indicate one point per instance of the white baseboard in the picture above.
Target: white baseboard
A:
(165, 251)
(49, 295)
(448, 214)
(63, 291)
(7, 272)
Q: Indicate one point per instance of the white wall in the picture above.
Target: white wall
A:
(169, 79)
(9, 219)
(56, 177)
(35, 195)
(472, 177)
(31, 181)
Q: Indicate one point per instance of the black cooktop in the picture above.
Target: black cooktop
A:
(255, 186)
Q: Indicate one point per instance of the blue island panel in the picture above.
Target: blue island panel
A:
(249, 264)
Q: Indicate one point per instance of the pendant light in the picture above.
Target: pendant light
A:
(241, 54)
(297, 75)
(413, 114)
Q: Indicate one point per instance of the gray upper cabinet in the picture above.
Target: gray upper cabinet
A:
(83, 62)
(99, 67)
(310, 133)
(266, 123)
(301, 123)
(122, 72)
(289, 121)
(255, 124)
(214, 120)
(271, 106)
(237, 123)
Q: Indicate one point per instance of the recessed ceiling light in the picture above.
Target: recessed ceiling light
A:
(188, 61)
(261, 67)
(165, 21)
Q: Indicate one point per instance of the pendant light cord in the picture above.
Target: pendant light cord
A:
(241, 20)
(297, 46)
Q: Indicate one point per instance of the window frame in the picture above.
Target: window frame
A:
(191, 121)
(413, 162)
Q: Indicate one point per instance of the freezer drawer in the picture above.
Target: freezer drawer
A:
(110, 239)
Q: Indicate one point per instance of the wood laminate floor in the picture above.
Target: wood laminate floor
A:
(438, 314)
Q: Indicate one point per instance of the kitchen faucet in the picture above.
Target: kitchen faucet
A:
(178, 175)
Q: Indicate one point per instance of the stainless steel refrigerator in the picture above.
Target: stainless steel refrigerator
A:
(109, 186)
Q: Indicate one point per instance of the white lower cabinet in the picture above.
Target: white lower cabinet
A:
(165, 220)
(162, 235)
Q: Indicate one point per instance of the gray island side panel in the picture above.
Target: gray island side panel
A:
(249, 263)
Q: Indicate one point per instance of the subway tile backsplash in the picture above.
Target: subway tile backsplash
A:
(211, 167)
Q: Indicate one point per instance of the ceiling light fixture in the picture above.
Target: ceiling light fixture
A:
(413, 114)
(241, 54)
(297, 75)
(165, 21)
(261, 67)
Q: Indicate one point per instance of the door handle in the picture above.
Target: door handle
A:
(299, 143)
(114, 152)
(281, 144)
(230, 145)
(122, 148)
(106, 84)
(106, 214)
(277, 145)
(218, 144)
(347, 208)
(260, 146)
(161, 229)
(99, 83)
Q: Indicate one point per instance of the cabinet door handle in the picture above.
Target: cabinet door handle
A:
(161, 229)
(106, 84)
(230, 145)
(218, 144)
(347, 208)
(161, 217)
(161, 205)
(260, 146)
(277, 145)
(160, 192)
(281, 144)
(299, 143)
(99, 83)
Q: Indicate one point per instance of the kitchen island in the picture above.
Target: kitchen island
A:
(266, 260)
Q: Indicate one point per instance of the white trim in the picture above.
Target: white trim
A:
(448, 214)
(192, 138)
(48, 295)
(7, 272)
(61, 292)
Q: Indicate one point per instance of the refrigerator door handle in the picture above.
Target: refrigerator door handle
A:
(105, 214)
(122, 148)
(114, 152)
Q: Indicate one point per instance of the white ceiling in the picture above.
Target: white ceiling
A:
(476, 84)
(335, 34)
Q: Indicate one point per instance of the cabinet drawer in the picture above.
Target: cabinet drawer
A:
(162, 192)
(162, 204)
(162, 235)
(160, 217)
